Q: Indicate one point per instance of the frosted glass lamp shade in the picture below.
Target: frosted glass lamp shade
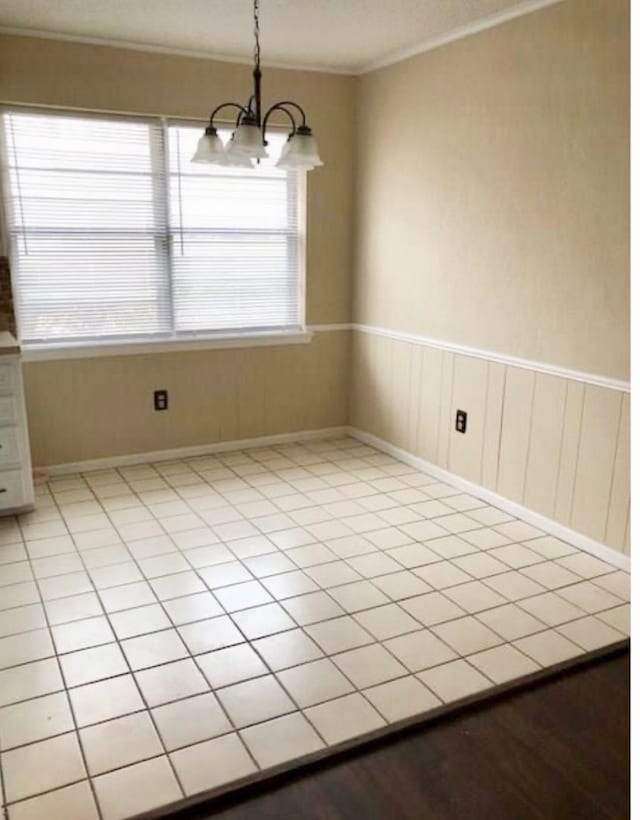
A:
(247, 140)
(236, 158)
(210, 148)
(300, 152)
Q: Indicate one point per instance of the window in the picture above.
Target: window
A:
(116, 236)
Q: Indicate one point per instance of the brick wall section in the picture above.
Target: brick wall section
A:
(7, 315)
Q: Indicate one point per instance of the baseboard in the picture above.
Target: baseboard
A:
(190, 452)
(550, 526)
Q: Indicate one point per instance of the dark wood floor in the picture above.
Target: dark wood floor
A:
(554, 751)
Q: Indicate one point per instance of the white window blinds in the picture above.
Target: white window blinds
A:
(234, 240)
(115, 235)
(86, 217)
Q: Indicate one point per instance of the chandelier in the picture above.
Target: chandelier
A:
(248, 141)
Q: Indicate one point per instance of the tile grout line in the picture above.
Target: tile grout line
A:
(117, 641)
(149, 710)
(404, 568)
(371, 580)
(76, 730)
(236, 730)
(299, 710)
(584, 614)
(357, 690)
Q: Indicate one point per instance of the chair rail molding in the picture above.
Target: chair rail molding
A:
(490, 355)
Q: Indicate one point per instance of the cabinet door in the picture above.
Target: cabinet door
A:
(12, 493)
(9, 446)
(8, 377)
(9, 409)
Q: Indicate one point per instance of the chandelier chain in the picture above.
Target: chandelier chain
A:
(256, 22)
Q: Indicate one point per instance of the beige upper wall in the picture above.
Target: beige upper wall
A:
(57, 73)
(493, 190)
(90, 408)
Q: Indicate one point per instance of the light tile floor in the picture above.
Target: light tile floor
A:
(167, 629)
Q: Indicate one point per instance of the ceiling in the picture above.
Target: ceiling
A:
(337, 35)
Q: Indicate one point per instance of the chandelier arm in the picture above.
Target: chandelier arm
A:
(295, 105)
(278, 107)
(241, 110)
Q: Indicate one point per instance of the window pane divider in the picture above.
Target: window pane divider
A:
(163, 200)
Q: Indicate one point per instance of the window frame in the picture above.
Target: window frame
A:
(172, 341)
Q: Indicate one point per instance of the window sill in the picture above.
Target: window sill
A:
(37, 353)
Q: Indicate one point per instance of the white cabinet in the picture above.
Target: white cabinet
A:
(16, 481)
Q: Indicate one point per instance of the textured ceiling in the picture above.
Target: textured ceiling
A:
(344, 35)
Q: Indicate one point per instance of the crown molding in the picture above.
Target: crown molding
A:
(175, 52)
(459, 33)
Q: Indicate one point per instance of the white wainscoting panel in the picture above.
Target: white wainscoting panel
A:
(552, 443)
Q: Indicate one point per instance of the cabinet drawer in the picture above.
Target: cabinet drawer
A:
(12, 492)
(8, 409)
(9, 445)
(8, 377)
